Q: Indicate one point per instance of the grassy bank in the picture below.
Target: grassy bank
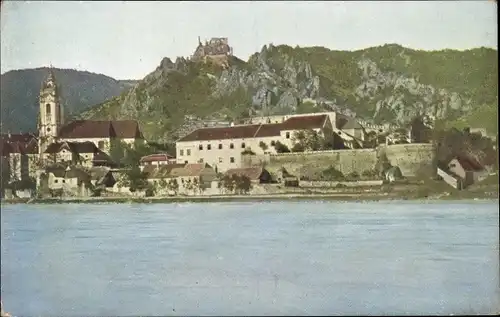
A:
(384, 194)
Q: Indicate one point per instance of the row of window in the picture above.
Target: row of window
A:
(231, 146)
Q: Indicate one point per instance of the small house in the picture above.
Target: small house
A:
(257, 175)
(157, 159)
(469, 170)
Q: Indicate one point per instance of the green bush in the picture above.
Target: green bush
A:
(281, 148)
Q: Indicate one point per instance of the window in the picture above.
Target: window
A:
(182, 180)
(200, 147)
(200, 160)
(181, 152)
(209, 147)
(273, 143)
(243, 145)
(220, 159)
(56, 181)
(220, 146)
(231, 159)
(188, 152)
(100, 145)
(64, 181)
(48, 110)
(48, 129)
(231, 146)
(288, 135)
(185, 162)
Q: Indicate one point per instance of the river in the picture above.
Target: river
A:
(304, 257)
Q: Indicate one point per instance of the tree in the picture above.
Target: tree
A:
(228, 183)
(298, 147)
(173, 185)
(353, 175)
(162, 183)
(332, 174)
(243, 183)
(312, 141)
(281, 148)
(371, 140)
(263, 146)
(137, 179)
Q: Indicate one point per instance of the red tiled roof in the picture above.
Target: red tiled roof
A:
(268, 130)
(100, 129)
(304, 122)
(188, 170)
(256, 130)
(56, 147)
(87, 129)
(160, 157)
(83, 147)
(162, 171)
(253, 173)
(127, 129)
(75, 147)
(4, 148)
(31, 147)
(222, 133)
(469, 164)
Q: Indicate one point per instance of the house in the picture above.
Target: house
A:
(102, 133)
(102, 176)
(350, 126)
(257, 175)
(19, 155)
(81, 153)
(222, 147)
(67, 180)
(181, 178)
(157, 159)
(469, 170)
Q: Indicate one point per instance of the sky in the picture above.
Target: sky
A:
(128, 40)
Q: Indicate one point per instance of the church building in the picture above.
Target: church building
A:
(22, 154)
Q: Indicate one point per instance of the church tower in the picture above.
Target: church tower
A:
(50, 114)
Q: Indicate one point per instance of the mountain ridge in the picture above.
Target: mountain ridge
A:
(388, 83)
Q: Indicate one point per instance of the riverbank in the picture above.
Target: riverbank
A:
(428, 190)
(358, 197)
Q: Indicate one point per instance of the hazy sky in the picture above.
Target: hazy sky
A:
(127, 40)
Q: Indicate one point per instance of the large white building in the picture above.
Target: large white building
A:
(222, 147)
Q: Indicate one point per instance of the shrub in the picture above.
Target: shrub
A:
(369, 173)
(263, 146)
(332, 173)
(281, 148)
(298, 148)
(248, 152)
(353, 175)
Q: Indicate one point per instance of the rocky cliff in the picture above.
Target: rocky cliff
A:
(380, 84)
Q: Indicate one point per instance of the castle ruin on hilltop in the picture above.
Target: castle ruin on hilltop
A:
(217, 47)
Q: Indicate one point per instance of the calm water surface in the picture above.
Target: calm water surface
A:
(308, 257)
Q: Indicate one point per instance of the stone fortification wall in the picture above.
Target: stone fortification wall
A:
(308, 163)
(414, 159)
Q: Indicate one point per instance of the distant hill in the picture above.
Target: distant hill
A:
(381, 84)
(79, 90)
